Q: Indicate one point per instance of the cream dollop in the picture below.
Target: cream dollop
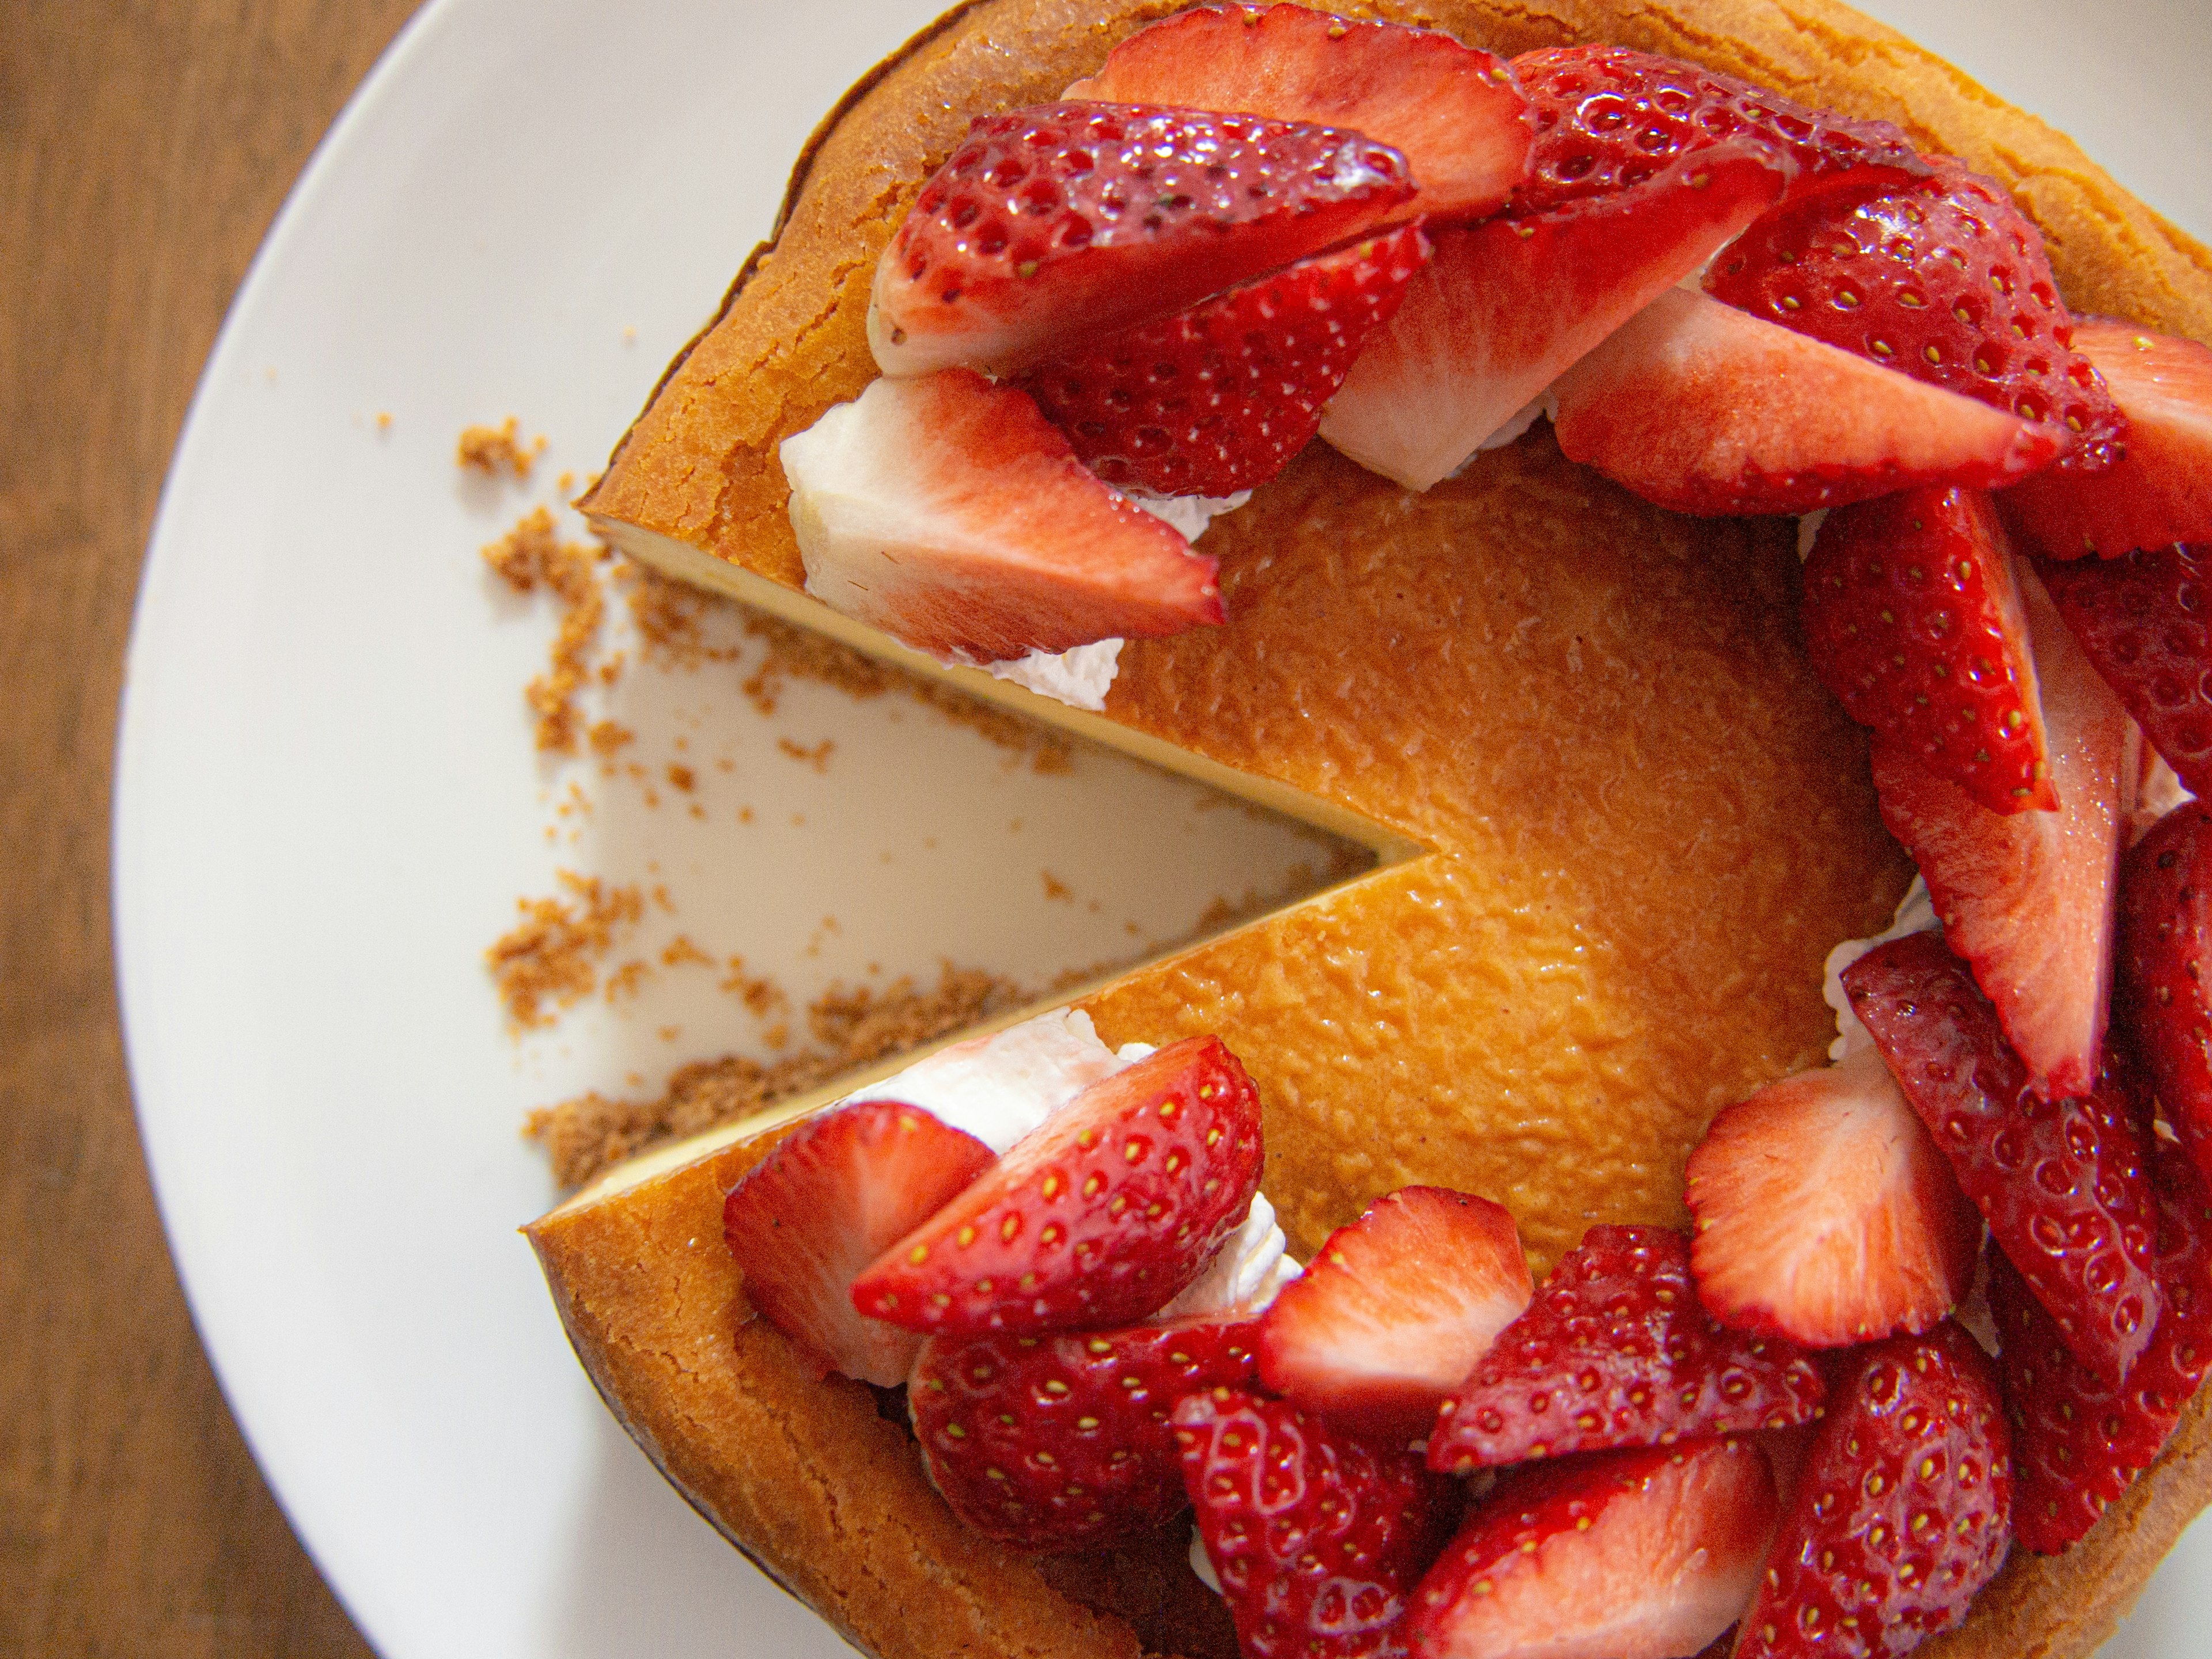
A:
(1916, 913)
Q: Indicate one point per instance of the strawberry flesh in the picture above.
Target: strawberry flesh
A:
(1914, 620)
(949, 513)
(1317, 1536)
(1063, 1442)
(803, 1221)
(2063, 1184)
(2145, 622)
(1096, 1219)
(2079, 1443)
(1219, 398)
(1705, 409)
(1452, 111)
(2162, 1009)
(1615, 1351)
(1643, 1555)
(1394, 1310)
(1942, 279)
(1824, 1214)
(1505, 307)
(2161, 491)
(2028, 899)
(1063, 220)
(1903, 1509)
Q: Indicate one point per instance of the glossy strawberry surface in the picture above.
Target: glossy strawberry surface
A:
(2162, 1006)
(2144, 620)
(1063, 1442)
(1616, 1350)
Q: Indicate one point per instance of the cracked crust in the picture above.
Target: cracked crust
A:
(1611, 925)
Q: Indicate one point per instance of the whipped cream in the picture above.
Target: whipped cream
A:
(1916, 913)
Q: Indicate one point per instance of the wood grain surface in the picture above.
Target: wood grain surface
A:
(143, 149)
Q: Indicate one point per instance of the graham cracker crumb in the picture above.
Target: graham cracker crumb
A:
(818, 757)
(680, 950)
(487, 449)
(1054, 888)
(553, 956)
(533, 553)
(608, 735)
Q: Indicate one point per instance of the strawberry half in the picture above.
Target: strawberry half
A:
(1063, 1442)
(1395, 1310)
(1607, 118)
(1705, 409)
(1616, 1350)
(949, 513)
(1824, 1214)
(1097, 1219)
(1626, 1555)
(805, 1221)
(1942, 278)
(1218, 398)
(1317, 1538)
(2028, 899)
(2078, 1443)
(1902, 1512)
(2063, 1184)
(1453, 112)
(1914, 620)
(1503, 308)
(2160, 492)
(2161, 1006)
(2143, 620)
(1061, 221)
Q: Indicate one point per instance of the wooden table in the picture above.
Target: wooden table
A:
(144, 147)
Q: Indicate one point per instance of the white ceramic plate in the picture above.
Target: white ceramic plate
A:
(328, 800)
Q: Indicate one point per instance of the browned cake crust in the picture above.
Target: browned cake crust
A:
(1625, 827)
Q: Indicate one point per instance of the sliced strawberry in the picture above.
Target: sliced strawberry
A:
(2063, 1184)
(1096, 1219)
(2143, 620)
(1914, 620)
(949, 513)
(2161, 491)
(2078, 1443)
(1063, 1442)
(1902, 1513)
(2028, 899)
(805, 1219)
(1608, 117)
(1625, 1555)
(1317, 1538)
(2161, 1004)
(1218, 398)
(1826, 1216)
(1505, 307)
(1705, 409)
(1616, 1350)
(1395, 1310)
(1064, 221)
(1453, 112)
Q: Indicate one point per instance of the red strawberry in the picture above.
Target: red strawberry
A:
(2078, 1444)
(1094, 1219)
(1064, 221)
(1902, 1512)
(1505, 307)
(1826, 1216)
(805, 1219)
(1395, 1310)
(1705, 409)
(1914, 620)
(1625, 1555)
(1607, 118)
(1942, 278)
(2142, 619)
(1615, 1351)
(949, 513)
(1062, 1443)
(2161, 491)
(2028, 899)
(2161, 1004)
(1218, 398)
(1453, 112)
(1317, 1538)
(2063, 1184)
